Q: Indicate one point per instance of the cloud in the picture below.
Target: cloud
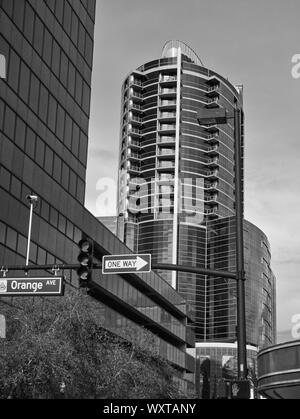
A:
(104, 154)
(294, 261)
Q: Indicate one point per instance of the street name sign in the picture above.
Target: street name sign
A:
(29, 286)
(118, 264)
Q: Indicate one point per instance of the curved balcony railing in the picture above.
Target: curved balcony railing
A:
(165, 79)
(212, 173)
(211, 186)
(168, 152)
(167, 127)
(212, 211)
(166, 102)
(168, 115)
(166, 91)
(136, 82)
(166, 140)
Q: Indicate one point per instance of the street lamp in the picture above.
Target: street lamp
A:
(33, 200)
(221, 116)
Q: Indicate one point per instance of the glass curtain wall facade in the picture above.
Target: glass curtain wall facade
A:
(220, 307)
(44, 117)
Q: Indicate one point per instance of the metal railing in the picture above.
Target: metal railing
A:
(211, 211)
(168, 152)
(167, 127)
(168, 115)
(135, 131)
(133, 156)
(136, 119)
(213, 89)
(213, 148)
(168, 78)
(136, 82)
(166, 139)
(135, 106)
(134, 143)
(212, 173)
(165, 91)
(211, 185)
(168, 103)
(213, 160)
(166, 165)
(136, 94)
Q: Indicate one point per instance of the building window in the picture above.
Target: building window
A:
(28, 22)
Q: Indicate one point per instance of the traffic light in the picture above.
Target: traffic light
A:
(240, 389)
(85, 259)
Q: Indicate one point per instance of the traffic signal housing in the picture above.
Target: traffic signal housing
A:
(240, 389)
(85, 258)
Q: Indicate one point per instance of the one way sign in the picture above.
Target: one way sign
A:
(119, 264)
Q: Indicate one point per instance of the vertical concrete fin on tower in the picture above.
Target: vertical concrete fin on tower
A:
(176, 177)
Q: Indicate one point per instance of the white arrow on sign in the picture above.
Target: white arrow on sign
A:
(140, 263)
(137, 263)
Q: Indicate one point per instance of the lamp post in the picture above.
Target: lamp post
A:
(220, 116)
(33, 200)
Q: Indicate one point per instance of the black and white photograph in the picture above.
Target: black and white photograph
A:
(149, 202)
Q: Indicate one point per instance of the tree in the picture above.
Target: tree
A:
(57, 348)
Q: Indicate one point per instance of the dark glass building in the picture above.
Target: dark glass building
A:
(220, 301)
(44, 119)
(111, 222)
(218, 350)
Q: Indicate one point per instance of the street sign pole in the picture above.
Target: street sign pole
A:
(240, 270)
(33, 199)
(158, 266)
(220, 116)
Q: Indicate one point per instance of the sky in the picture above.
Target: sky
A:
(249, 42)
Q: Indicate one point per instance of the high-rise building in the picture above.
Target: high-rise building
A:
(44, 119)
(184, 172)
(177, 191)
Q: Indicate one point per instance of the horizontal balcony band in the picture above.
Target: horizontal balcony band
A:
(167, 103)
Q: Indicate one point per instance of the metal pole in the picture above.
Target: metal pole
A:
(33, 199)
(160, 266)
(240, 288)
(29, 233)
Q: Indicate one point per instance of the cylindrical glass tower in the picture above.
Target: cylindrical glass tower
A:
(176, 181)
